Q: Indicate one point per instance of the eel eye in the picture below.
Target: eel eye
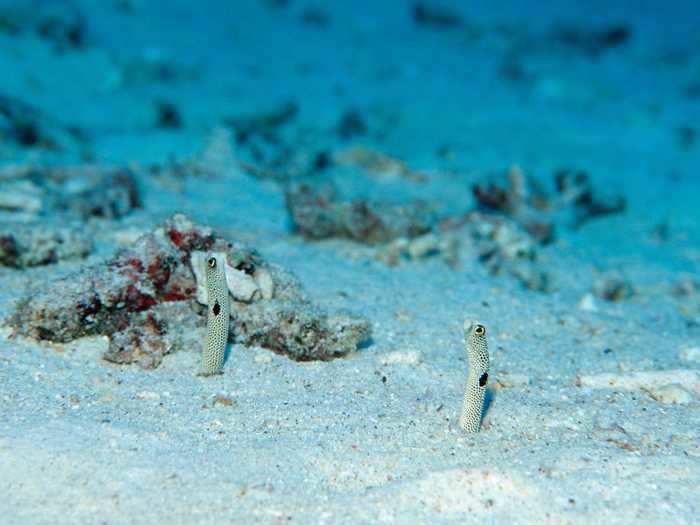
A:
(211, 262)
(480, 329)
(482, 380)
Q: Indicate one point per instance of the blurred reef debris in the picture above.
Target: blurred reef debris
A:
(515, 214)
(613, 287)
(319, 213)
(505, 248)
(573, 202)
(590, 41)
(79, 191)
(26, 126)
(36, 244)
(59, 23)
(438, 17)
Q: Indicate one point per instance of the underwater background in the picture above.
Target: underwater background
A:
(370, 175)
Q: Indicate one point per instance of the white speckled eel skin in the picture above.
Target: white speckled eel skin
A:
(477, 350)
(217, 317)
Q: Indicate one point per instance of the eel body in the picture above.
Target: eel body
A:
(217, 316)
(478, 353)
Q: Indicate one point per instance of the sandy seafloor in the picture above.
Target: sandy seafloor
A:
(372, 438)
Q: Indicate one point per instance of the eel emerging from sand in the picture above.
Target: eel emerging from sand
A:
(477, 350)
(217, 317)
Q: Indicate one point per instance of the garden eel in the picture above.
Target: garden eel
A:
(217, 317)
(477, 350)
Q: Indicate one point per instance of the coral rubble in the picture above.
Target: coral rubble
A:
(506, 248)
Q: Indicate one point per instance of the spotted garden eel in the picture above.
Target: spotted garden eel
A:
(478, 353)
(217, 316)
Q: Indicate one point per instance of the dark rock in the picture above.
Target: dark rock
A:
(167, 115)
(612, 287)
(591, 42)
(351, 124)
(316, 17)
(436, 17)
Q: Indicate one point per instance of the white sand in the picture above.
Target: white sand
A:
(373, 438)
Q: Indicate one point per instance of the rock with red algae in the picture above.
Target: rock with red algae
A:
(101, 299)
(131, 299)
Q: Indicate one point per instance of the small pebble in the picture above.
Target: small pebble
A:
(404, 358)
(690, 355)
(403, 315)
(672, 394)
(587, 303)
(223, 401)
(512, 380)
(148, 395)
